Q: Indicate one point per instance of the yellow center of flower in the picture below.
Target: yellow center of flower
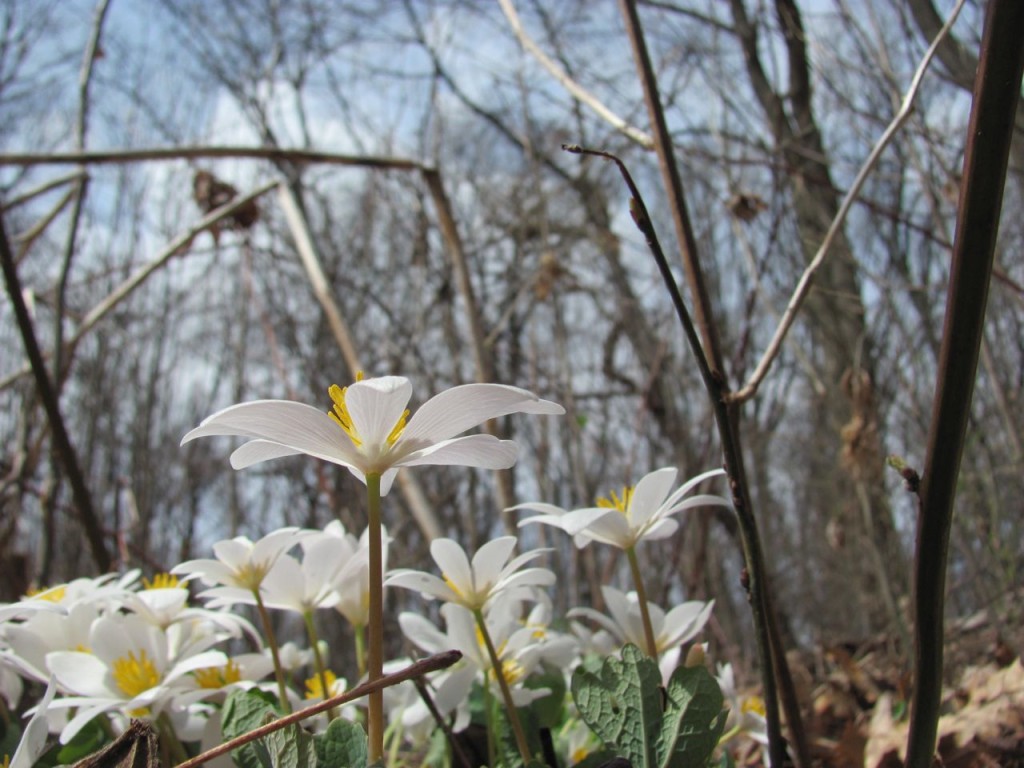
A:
(134, 675)
(49, 594)
(578, 755)
(614, 501)
(161, 581)
(217, 677)
(339, 413)
(6, 762)
(315, 686)
(753, 704)
(511, 670)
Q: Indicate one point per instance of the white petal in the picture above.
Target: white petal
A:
(297, 426)
(455, 410)
(424, 583)
(257, 451)
(453, 562)
(577, 520)
(79, 672)
(485, 451)
(489, 561)
(661, 530)
(376, 405)
(684, 621)
(538, 506)
(692, 483)
(611, 529)
(419, 631)
(649, 494)
(33, 741)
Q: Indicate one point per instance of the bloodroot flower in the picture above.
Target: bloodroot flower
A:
(369, 430)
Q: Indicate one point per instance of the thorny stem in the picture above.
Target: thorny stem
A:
(375, 657)
(268, 628)
(641, 594)
(506, 692)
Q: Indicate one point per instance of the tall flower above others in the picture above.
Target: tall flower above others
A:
(642, 512)
(369, 431)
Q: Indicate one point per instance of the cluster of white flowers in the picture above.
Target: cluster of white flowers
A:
(122, 647)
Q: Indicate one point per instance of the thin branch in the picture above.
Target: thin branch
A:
(26, 238)
(43, 188)
(577, 91)
(106, 157)
(48, 394)
(804, 285)
(989, 134)
(126, 288)
(413, 671)
(753, 555)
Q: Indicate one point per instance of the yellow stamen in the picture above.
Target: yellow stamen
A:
(315, 688)
(458, 592)
(511, 670)
(578, 755)
(160, 581)
(49, 594)
(217, 677)
(339, 413)
(613, 501)
(753, 704)
(135, 675)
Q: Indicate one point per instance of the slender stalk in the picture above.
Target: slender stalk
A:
(506, 692)
(318, 659)
(989, 133)
(268, 629)
(169, 738)
(641, 594)
(360, 639)
(375, 657)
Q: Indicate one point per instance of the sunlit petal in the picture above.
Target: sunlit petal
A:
(376, 405)
(484, 451)
(455, 410)
(490, 559)
(453, 562)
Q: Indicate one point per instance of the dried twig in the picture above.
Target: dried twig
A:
(577, 91)
(420, 668)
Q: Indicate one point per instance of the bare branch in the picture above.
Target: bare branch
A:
(577, 91)
(804, 285)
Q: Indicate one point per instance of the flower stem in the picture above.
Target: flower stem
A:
(375, 656)
(641, 594)
(506, 692)
(360, 636)
(321, 670)
(268, 629)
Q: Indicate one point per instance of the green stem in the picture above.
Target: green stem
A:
(375, 657)
(506, 692)
(360, 636)
(170, 739)
(641, 594)
(318, 660)
(268, 629)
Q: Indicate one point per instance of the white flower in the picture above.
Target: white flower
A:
(33, 740)
(29, 642)
(369, 431)
(642, 512)
(128, 668)
(241, 565)
(746, 713)
(671, 630)
(352, 582)
(474, 585)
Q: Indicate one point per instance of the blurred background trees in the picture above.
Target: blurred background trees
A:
(773, 107)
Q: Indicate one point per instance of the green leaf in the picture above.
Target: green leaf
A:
(549, 708)
(622, 705)
(693, 719)
(87, 741)
(244, 711)
(289, 747)
(342, 745)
